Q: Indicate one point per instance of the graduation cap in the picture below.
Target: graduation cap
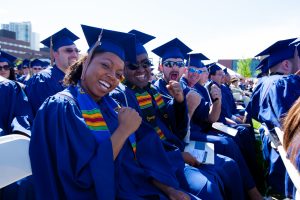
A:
(172, 49)
(263, 65)
(279, 51)
(141, 39)
(194, 60)
(225, 71)
(213, 67)
(64, 37)
(119, 43)
(295, 42)
(5, 57)
(45, 64)
(25, 62)
(37, 62)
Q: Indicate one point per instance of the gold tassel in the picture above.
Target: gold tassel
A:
(89, 56)
(51, 52)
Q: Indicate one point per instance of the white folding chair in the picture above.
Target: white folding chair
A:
(290, 168)
(14, 159)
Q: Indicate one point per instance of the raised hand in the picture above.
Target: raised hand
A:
(129, 120)
(193, 99)
(175, 91)
(215, 92)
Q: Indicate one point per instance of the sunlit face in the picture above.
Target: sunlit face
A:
(103, 74)
(4, 69)
(172, 69)
(142, 75)
(66, 56)
(204, 76)
(193, 75)
(218, 76)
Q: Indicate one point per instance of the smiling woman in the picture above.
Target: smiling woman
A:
(78, 133)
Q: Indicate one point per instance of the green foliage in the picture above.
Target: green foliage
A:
(244, 67)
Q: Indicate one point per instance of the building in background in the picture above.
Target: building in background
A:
(19, 40)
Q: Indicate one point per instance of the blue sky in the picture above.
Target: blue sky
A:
(222, 29)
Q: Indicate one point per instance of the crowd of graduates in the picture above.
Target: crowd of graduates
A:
(101, 127)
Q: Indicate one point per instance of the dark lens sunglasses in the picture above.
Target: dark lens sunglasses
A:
(171, 64)
(5, 67)
(145, 64)
(70, 50)
(198, 71)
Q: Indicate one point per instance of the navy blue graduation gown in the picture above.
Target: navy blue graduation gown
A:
(281, 95)
(16, 114)
(44, 84)
(277, 95)
(68, 161)
(199, 182)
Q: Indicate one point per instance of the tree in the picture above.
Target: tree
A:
(244, 67)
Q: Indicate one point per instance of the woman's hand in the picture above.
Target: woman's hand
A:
(174, 194)
(189, 159)
(129, 120)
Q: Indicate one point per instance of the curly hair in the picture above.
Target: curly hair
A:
(74, 72)
(291, 129)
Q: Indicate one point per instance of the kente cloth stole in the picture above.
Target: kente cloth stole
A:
(145, 102)
(93, 117)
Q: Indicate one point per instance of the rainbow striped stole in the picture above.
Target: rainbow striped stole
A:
(94, 120)
(145, 103)
(159, 100)
(144, 100)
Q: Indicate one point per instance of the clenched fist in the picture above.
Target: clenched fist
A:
(175, 91)
(129, 119)
(193, 99)
(215, 92)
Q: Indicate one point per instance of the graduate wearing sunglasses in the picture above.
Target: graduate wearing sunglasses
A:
(6, 65)
(63, 52)
(200, 128)
(165, 119)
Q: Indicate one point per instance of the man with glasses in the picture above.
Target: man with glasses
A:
(64, 53)
(206, 113)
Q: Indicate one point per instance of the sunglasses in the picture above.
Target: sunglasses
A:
(145, 64)
(37, 68)
(171, 64)
(25, 67)
(198, 71)
(70, 50)
(5, 67)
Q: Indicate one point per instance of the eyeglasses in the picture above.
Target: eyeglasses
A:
(24, 67)
(171, 64)
(145, 64)
(37, 68)
(5, 67)
(198, 71)
(70, 50)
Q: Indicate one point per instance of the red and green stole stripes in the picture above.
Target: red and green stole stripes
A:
(145, 102)
(159, 100)
(94, 119)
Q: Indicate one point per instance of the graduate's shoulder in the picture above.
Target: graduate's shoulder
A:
(62, 100)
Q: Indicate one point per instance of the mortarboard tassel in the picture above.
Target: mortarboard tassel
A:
(51, 52)
(88, 59)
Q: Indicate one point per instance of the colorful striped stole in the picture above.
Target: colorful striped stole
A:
(94, 119)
